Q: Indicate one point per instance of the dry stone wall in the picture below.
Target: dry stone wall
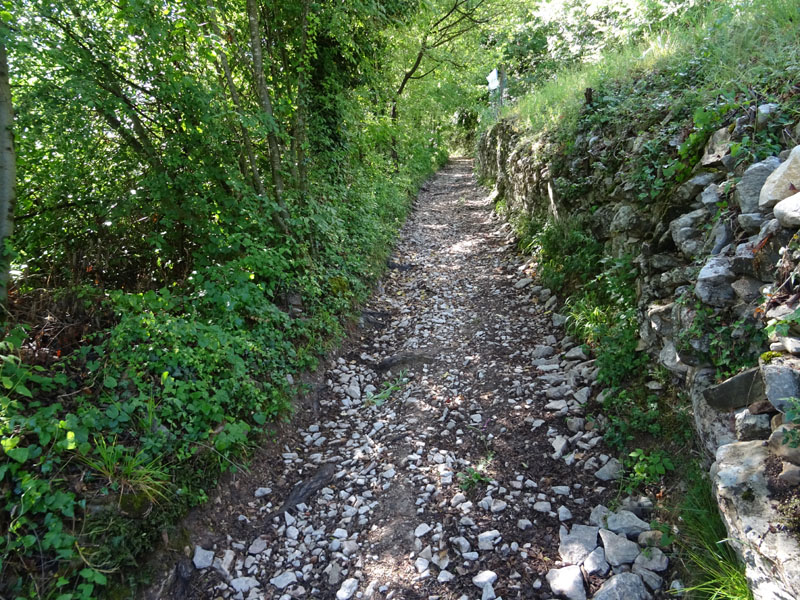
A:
(722, 246)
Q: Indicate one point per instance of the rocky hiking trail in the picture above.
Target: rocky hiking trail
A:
(446, 453)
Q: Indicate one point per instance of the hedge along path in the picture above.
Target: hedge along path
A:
(446, 448)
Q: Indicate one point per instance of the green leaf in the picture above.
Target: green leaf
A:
(110, 382)
(23, 391)
(19, 454)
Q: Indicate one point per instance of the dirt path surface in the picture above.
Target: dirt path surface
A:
(449, 449)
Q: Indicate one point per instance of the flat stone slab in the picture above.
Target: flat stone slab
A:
(625, 586)
(567, 582)
(574, 546)
(619, 549)
(740, 390)
(626, 523)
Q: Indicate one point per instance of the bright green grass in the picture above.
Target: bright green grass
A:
(735, 45)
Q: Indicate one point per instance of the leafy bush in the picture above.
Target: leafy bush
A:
(568, 255)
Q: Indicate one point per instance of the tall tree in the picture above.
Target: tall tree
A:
(8, 170)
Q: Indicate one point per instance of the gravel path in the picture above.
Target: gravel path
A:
(448, 456)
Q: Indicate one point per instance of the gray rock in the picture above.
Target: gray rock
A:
(619, 549)
(445, 576)
(598, 515)
(766, 112)
(567, 582)
(740, 390)
(787, 211)
(626, 523)
(714, 282)
(710, 197)
(695, 185)
(542, 351)
(625, 586)
(244, 584)
(487, 539)
(611, 471)
(523, 283)
(349, 587)
(751, 427)
(781, 182)
(626, 219)
(284, 580)
(258, 546)
(718, 145)
(576, 353)
(574, 546)
(422, 529)
(564, 513)
(781, 449)
(748, 189)
(747, 289)
(687, 232)
(750, 222)
(652, 559)
(651, 580)
(781, 382)
(484, 578)
(771, 555)
(791, 344)
(596, 563)
(790, 473)
(263, 491)
(721, 235)
(202, 558)
(650, 538)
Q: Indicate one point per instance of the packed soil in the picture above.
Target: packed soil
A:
(451, 421)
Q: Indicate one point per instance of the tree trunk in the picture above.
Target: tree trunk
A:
(258, 184)
(8, 170)
(266, 105)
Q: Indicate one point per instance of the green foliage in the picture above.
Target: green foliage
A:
(645, 468)
(730, 345)
(629, 413)
(169, 286)
(568, 254)
(792, 416)
(387, 389)
(473, 477)
(780, 327)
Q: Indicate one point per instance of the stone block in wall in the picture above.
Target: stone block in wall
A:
(749, 187)
(750, 222)
(782, 182)
(694, 186)
(747, 289)
(713, 285)
(751, 427)
(738, 391)
(688, 232)
(787, 211)
(782, 381)
(714, 428)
